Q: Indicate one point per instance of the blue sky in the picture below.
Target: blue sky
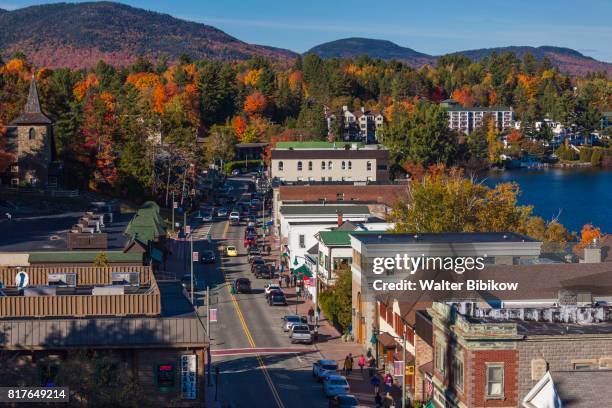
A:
(433, 27)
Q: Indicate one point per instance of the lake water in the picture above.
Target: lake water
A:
(576, 196)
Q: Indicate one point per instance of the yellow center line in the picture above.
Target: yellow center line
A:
(247, 332)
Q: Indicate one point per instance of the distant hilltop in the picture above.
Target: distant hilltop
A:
(79, 35)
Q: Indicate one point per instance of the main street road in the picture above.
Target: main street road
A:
(259, 367)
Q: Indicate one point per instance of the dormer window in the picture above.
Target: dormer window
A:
(32, 134)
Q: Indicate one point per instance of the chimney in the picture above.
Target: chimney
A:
(339, 218)
(592, 252)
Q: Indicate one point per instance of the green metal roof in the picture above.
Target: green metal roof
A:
(324, 209)
(83, 256)
(314, 145)
(147, 224)
(335, 238)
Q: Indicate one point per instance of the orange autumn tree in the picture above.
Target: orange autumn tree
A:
(255, 104)
(82, 87)
(463, 96)
(252, 77)
(587, 235)
(239, 124)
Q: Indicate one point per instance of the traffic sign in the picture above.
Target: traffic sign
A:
(187, 229)
(174, 204)
(213, 315)
(195, 256)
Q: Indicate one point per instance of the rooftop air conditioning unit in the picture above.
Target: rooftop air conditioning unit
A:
(126, 278)
(62, 279)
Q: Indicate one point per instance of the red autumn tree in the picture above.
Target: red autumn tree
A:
(587, 235)
(255, 103)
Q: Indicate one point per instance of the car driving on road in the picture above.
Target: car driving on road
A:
(242, 285)
(207, 256)
(231, 251)
(222, 212)
(277, 298)
(335, 385)
(323, 368)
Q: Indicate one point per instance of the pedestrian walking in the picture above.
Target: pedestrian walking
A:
(349, 360)
(287, 280)
(378, 400)
(371, 366)
(310, 314)
(388, 402)
(369, 353)
(388, 382)
(375, 382)
(280, 281)
(361, 361)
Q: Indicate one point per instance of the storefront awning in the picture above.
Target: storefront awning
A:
(386, 340)
(302, 271)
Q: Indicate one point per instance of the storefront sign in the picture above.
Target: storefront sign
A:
(188, 377)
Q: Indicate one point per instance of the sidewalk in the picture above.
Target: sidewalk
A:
(331, 346)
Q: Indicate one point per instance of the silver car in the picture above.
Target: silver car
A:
(290, 320)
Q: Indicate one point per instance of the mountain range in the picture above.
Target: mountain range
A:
(78, 35)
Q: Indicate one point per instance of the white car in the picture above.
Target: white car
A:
(300, 333)
(323, 368)
(235, 172)
(207, 217)
(234, 216)
(335, 385)
(290, 320)
(270, 287)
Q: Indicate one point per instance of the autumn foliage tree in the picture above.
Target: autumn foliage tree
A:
(255, 104)
(587, 235)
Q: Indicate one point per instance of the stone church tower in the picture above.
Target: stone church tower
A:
(33, 141)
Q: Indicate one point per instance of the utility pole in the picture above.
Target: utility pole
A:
(172, 208)
(404, 373)
(208, 329)
(191, 240)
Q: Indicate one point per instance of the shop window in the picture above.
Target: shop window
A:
(165, 376)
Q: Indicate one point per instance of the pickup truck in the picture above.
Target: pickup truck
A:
(300, 333)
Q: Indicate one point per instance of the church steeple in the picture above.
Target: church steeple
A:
(32, 113)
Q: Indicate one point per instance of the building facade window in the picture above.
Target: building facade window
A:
(322, 165)
(369, 166)
(495, 381)
(299, 166)
(280, 166)
(302, 239)
(350, 165)
(339, 196)
(32, 134)
(440, 357)
(329, 165)
(309, 166)
(343, 165)
(457, 372)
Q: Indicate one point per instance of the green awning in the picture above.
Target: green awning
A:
(430, 405)
(302, 271)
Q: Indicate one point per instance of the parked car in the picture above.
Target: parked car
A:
(198, 284)
(323, 368)
(234, 216)
(270, 287)
(207, 256)
(253, 252)
(235, 172)
(290, 320)
(300, 333)
(344, 401)
(231, 251)
(335, 385)
(264, 272)
(242, 285)
(222, 212)
(207, 217)
(255, 264)
(277, 298)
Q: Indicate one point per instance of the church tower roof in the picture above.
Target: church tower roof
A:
(32, 114)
